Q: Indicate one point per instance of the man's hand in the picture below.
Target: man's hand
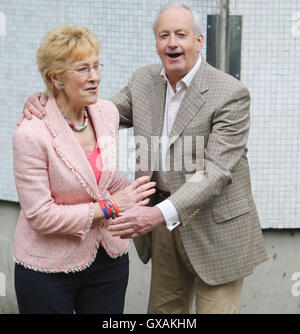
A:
(136, 221)
(35, 105)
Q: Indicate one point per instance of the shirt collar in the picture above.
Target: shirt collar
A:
(187, 79)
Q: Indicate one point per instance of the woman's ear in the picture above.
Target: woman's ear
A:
(55, 81)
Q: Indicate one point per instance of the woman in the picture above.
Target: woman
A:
(66, 259)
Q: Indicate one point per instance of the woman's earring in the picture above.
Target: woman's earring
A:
(60, 85)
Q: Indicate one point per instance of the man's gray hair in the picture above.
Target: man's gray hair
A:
(195, 15)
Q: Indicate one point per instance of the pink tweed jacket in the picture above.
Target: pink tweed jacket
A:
(56, 186)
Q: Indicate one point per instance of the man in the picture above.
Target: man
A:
(203, 236)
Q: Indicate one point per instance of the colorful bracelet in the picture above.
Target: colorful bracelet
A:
(110, 207)
(106, 214)
(109, 210)
(115, 206)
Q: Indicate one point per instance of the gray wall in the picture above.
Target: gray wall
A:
(270, 289)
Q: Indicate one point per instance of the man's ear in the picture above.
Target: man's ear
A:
(200, 40)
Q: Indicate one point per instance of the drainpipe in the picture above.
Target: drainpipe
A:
(223, 32)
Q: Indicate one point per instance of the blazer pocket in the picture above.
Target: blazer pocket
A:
(231, 210)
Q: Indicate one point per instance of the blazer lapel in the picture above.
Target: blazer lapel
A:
(158, 94)
(106, 138)
(158, 103)
(192, 102)
(69, 149)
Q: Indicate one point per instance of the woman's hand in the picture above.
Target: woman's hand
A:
(136, 193)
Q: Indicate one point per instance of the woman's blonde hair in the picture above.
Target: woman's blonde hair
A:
(61, 47)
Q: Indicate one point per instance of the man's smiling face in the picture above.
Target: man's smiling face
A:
(176, 43)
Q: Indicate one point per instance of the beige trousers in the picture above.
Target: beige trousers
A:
(176, 287)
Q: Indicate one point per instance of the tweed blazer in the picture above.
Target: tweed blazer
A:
(56, 187)
(219, 228)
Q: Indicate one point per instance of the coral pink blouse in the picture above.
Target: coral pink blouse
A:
(95, 161)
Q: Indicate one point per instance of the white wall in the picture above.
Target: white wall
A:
(271, 70)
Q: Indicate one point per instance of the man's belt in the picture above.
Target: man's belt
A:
(162, 195)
